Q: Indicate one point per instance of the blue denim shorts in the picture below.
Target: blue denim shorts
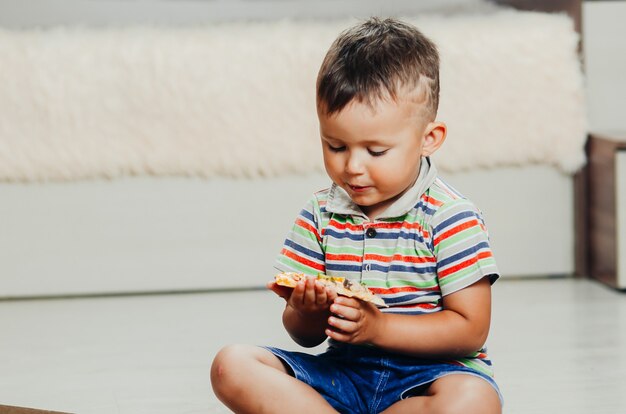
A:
(360, 379)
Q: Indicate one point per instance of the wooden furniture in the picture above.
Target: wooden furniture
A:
(9, 409)
(582, 243)
(572, 7)
(604, 239)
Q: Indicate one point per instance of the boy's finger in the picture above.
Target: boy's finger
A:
(309, 291)
(338, 335)
(346, 301)
(345, 312)
(282, 291)
(320, 294)
(331, 295)
(344, 325)
(297, 296)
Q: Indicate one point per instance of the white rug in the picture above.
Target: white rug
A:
(237, 99)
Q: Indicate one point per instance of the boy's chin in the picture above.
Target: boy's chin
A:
(362, 200)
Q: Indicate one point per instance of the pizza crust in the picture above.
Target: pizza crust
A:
(342, 286)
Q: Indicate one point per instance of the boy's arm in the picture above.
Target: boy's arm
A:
(306, 330)
(307, 311)
(460, 329)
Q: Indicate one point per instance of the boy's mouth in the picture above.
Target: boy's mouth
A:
(358, 188)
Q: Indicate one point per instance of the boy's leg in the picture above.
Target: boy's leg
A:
(454, 393)
(249, 379)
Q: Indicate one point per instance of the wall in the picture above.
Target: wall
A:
(604, 35)
(175, 233)
(74, 238)
(604, 44)
(30, 13)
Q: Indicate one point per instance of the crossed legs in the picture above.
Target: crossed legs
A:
(249, 379)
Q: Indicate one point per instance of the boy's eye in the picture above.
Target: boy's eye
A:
(336, 149)
(376, 153)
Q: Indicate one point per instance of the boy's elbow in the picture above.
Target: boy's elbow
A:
(306, 333)
(471, 339)
(475, 340)
(307, 342)
(466, 347)
(474, 330)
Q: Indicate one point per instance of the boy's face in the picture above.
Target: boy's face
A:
(374, 153)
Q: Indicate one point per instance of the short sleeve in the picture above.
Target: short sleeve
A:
(302, 251)
(461, 246)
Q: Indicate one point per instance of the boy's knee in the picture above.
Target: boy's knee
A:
(473, 395)
(465, 394)
(233, 366)
(226, 367)
(229, 358)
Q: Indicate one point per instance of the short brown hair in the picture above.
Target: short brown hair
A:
(375, 59)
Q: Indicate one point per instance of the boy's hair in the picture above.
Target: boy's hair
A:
(376, 59)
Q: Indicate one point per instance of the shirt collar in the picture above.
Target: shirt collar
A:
(339, 202)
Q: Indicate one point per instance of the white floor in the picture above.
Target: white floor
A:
(558, 345)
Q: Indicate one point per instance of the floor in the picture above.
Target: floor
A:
(559, 346)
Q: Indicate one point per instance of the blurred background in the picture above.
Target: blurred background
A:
(125, 121)
(154, 153)
(603, 34)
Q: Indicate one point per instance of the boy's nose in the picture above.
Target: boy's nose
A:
(354, 165)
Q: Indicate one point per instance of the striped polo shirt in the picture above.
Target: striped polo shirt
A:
(428, 244)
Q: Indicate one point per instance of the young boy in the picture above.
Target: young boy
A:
(390, 223)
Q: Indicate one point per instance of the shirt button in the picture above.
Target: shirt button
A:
(371, 232)
(368, 267)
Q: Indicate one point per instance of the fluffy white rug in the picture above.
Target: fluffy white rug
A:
(238, 99)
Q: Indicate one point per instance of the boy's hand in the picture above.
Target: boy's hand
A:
(282, 291)
(307, 298)
(353, 321)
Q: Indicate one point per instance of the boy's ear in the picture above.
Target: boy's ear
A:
(434, 136)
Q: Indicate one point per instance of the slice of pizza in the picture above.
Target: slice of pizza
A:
(288, 279)
(341, 285)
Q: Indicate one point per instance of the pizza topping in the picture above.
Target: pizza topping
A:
(341, 285)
